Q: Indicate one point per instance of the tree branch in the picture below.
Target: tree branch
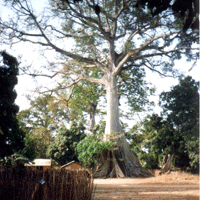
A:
(42, 75)
(93, 80)
(155, 70)
(159, 54)
(121, 63)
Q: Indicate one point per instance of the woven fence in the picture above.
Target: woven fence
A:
(26, 184)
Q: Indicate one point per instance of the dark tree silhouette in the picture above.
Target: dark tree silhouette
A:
(11, 137)
(188, 9)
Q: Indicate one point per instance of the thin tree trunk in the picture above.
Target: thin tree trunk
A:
(92, 110)
(167, 164)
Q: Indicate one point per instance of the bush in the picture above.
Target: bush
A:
(62, 150)
(91, 150)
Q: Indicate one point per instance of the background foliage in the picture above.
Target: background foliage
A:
(174, 132)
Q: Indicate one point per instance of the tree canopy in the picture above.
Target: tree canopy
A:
(187, 10)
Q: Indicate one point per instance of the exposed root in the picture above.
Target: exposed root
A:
(121, 163)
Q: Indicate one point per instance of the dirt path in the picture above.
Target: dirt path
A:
(150, 188)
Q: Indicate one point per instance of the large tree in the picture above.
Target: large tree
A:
(86, 98)
(11, 136)
(115, 36)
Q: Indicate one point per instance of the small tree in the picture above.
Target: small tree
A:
(92, 150)
(146, 142)
(12, 161)
(30, 150)
(85, 98)
(62, 150)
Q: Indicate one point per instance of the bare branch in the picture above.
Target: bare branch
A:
(121, 36)
(155, 70)
(159, 54)
(137, 51)
(41, 75)
(43, 35)
(62, 87)
(81, 16)
(123, 7)
(129, 56)
(134, 32)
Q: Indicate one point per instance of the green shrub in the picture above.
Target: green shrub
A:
(91, 149)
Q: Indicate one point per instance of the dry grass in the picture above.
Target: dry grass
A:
(174, 178)
(18, 184)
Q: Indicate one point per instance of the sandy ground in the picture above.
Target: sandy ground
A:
(166, 187)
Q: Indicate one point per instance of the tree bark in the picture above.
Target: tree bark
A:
(120, 162)
(112, 121)
(92, 109)
(167, 164)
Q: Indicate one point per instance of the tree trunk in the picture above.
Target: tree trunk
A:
(112, 121)
(167, 164)
(92, 109)
(120, 162)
